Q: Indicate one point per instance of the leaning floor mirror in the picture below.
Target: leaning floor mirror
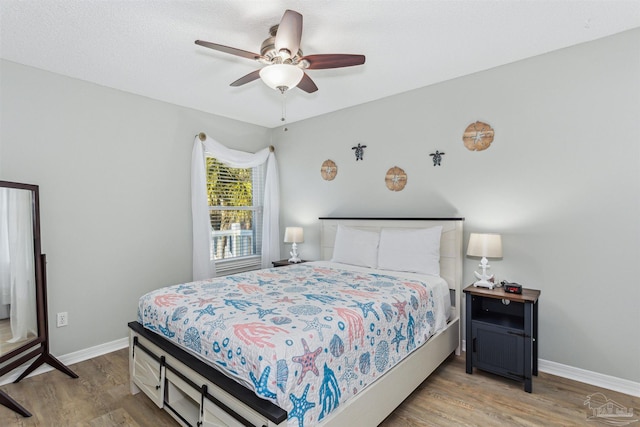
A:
(24, 333)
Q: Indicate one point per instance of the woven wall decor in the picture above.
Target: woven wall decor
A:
(395, 179)
(478, 136)
(329, 170)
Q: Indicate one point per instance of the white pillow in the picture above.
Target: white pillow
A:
(356, 247)
(412, 250)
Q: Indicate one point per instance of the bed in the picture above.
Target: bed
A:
(318, 343)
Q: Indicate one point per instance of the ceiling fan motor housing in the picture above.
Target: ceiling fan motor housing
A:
(269, 53)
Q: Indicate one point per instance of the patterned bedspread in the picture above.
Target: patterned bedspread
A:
(306, 337)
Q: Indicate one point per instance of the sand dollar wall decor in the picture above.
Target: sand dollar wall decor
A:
(329, 170)
(478, 136)
(395, 179)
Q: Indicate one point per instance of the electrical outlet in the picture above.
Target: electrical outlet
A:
(62, 319)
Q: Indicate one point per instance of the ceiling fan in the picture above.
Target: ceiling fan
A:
(284, 60)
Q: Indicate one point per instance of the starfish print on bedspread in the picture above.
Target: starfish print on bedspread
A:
(349, 371)
(286, 299)
(261, 385)
(300, 406)
(401, 306)
(216, 324)
(307, 360)
(209, 309)
(366, 308)
(399, 337)
(315, 325)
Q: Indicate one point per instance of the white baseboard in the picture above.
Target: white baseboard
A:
(588, 377)
(69, 359)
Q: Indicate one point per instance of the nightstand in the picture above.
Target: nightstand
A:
(284, 262)
(502, 332)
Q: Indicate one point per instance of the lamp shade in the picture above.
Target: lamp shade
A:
(485, 245)
(293, 235)
(279, 76)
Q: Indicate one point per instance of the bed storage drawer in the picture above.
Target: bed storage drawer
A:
(192, 405)
(182, 400)
(213, 416)
(148, 373)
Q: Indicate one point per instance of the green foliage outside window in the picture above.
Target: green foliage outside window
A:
(230, 198)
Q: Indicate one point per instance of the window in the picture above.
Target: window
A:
(235, 197)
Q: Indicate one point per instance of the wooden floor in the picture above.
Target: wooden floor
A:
(6, 335)
(449, 397)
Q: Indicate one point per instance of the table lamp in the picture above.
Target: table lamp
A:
(485, 246)
(294, 235)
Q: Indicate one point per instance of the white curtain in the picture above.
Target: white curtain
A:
(203, 266)
(17, 268)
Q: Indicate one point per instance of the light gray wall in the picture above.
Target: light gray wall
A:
(561, 183)
(113, 170)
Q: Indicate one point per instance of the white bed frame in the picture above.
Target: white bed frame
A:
(197, 395)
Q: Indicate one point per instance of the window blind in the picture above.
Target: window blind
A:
(235, 198)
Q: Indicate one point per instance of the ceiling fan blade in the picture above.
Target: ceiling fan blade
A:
(254, 75)
(332, 60)
(227, 49)
(307, 85)
(289, 33)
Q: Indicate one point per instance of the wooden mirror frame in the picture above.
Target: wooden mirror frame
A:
(38, 346)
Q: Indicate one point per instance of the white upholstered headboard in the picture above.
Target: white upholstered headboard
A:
(451, 252)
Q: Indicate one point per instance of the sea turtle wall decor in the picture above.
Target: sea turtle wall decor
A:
(328, 170)
(478, 136)
(359, 151)
(395, 179)
(437, 158)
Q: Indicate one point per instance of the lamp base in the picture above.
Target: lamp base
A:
(484, 278)
(294, 254)
(484, 284)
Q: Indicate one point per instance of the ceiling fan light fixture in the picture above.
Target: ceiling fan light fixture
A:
(281, 76)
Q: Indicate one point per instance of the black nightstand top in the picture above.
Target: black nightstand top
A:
(528, 295)
(284, 262)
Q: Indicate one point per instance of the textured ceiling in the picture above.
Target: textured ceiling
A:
(147, 47)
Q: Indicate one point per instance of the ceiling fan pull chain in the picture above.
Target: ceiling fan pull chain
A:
(284, 107)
